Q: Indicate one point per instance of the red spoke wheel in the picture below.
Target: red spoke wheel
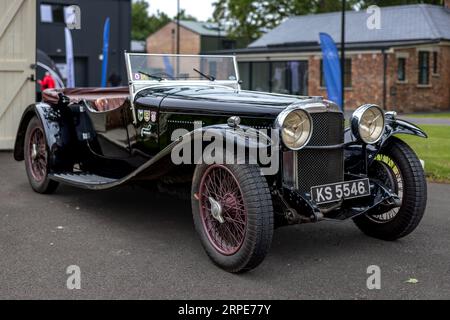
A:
(222, 209)
(36, 158)
(233, 214)
(37, 154)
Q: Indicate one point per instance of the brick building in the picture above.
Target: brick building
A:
(403, 66)
(195, 38)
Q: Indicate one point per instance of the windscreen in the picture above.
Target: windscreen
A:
(148, 67)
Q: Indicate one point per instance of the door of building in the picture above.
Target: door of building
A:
(17, 61)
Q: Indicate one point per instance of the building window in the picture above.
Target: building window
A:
(261, 76)
(401, 69)
(424, 67)
(322, 74)
(298, 77)
(244, 75)
(287, 77)
(52, 13)
(279, 79)
(435, 63)
(228, 44)
(347, 74)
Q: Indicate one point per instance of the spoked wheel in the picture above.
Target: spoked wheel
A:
(222, 209)
(233, 214)
(385, 170)
(36, 158)
(398, 168)
(37, 154)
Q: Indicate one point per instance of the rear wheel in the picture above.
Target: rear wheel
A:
(233, 215)
(398, 168)
(36, 158)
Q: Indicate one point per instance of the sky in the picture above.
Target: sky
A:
(201, 9)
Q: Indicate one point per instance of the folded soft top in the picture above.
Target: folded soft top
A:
(76, 95)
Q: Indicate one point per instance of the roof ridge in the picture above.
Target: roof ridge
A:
(430, 21)
(402, 6)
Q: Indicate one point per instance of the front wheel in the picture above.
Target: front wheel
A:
(233, 215)
(398, 168)
(36, 158)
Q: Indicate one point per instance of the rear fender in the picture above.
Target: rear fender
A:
(57, 132)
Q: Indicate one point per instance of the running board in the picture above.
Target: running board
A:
(85, 180)
(95, 182)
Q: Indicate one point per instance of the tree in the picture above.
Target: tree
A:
(249, 19)
(185, 16)
(144, 25)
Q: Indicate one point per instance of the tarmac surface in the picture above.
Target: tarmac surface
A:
(131, 243)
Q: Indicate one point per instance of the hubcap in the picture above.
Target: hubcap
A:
(222, 209)
(216, 210)
(34, 152)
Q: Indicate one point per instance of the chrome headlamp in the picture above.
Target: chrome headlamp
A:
(295, 127)
(368, 123)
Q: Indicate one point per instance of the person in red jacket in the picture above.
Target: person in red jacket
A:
(47, 82)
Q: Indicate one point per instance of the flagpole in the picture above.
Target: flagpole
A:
(178, 37)
(343, 55)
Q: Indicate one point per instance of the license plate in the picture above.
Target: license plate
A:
(343, 190)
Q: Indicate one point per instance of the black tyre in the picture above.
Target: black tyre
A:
(233, 214)
(398, 168)
(36, 158)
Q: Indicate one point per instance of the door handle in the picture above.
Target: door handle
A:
(32, 78)
(146, 132)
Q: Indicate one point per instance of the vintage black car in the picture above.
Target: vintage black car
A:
(253, 161)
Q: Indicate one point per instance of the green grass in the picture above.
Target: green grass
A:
(441, 115)
(435, 151)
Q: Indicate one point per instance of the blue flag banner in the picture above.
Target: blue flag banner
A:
(105, 52)
(168, 66)
(331, 68)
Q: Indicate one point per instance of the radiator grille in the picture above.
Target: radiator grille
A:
(328, 129)
(318, 167)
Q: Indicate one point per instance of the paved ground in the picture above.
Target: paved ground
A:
(132, 244)
(419, 121)
(415, 120)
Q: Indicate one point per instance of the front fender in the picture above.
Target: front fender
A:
(359, 156)
(189, 147)
(242, 136)
(398, 126)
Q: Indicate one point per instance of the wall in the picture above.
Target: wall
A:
(367, 80)
(165, 41)
(88, 41)
(408, 96)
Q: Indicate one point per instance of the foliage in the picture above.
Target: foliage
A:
(144, 24)
(434, 151)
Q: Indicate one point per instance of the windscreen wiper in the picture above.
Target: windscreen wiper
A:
(207, 76)
(151, 76)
